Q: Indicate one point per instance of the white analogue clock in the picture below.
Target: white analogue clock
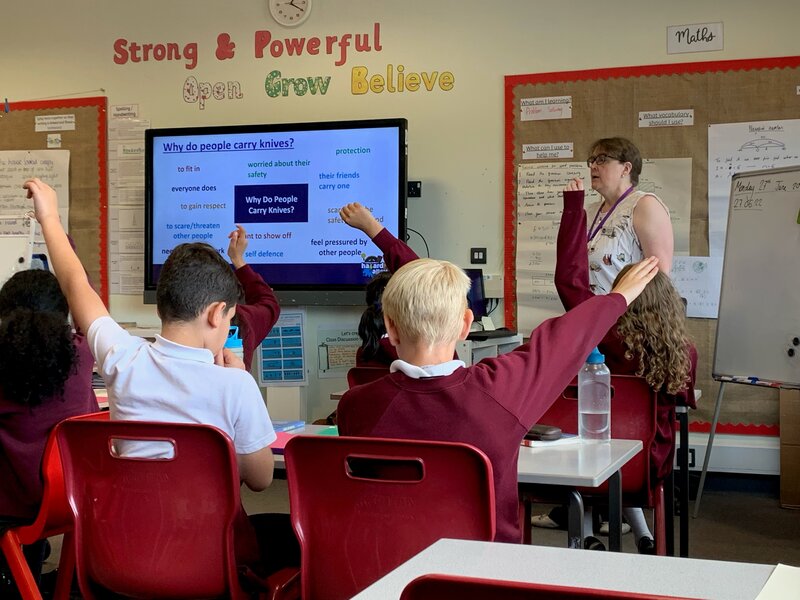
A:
(289, 13)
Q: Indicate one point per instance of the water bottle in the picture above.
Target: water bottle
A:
(594, 399)
(234, 342)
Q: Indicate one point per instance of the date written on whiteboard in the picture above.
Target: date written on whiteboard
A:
(746, 202)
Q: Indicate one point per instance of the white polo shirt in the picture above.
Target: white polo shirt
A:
(165, 381)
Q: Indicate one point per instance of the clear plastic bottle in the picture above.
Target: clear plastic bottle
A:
(594, 399)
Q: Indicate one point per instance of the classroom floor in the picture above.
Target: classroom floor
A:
(740, 520)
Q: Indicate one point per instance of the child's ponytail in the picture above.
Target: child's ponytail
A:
(371, 327)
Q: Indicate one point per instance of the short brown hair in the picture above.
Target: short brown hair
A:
(193, 277)
(623, 150)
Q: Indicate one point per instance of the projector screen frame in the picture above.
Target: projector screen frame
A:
(341, 294)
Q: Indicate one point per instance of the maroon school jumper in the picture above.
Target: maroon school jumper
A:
(24, 430)
(490, 405)
(259, 313)
(572, 284)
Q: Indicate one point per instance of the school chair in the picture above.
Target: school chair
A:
(361, 375)
(156, 527)
(454, 587)
(362, 506)
(53, 518)
(633, 417)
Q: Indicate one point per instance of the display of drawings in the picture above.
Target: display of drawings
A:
(740, 147)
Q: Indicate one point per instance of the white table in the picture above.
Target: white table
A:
(662, 575)
(577, 464)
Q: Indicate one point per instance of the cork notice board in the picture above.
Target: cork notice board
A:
(87, 170)
(606, 102)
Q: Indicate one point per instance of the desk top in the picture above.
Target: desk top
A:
(574, 464)
(577, 464)
(662, 575)
(307, 430)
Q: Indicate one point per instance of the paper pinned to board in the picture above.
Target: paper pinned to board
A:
(698, 279)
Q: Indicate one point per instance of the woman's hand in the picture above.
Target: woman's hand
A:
(574, 185)
(636, 279)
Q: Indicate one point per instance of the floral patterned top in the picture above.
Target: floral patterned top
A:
(616, 244)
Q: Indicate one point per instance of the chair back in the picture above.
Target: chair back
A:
(361, 375)
(453, 587)
(152, 527)
(54, 518)
(633, 417)
(360, 507)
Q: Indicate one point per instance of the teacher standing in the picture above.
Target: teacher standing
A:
(627, 225)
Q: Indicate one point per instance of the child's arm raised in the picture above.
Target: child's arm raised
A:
(572, 257)
(84, 303)
(261, 309)
(533, 375)
(396, 253)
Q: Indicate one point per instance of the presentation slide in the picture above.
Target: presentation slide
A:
(285, 189)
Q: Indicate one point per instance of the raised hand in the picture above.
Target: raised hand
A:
(45, 199)
(359, 217)
(636, 279)
(237, 246)
(574, 185)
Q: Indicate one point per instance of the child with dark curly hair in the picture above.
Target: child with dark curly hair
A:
(45, 377)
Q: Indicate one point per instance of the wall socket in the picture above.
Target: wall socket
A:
(492, 285)
(477, 256)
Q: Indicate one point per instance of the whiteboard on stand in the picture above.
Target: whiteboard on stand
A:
(758, 331)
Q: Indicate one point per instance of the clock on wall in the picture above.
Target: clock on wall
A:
(289, 13)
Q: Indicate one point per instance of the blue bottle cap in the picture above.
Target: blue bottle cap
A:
(595, 357)
(233, 341)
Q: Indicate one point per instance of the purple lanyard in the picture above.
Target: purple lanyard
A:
(592, 230)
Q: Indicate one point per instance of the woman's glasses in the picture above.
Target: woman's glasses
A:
(600, 159)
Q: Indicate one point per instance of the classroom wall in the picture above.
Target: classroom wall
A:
(455, 136)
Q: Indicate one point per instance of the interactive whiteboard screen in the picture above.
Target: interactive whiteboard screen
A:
(284, 184)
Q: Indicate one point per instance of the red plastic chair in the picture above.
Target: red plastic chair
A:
(361, 375)
(452, 587)
(633, 417)
(155, 528)
(54, 518)
(360, 507)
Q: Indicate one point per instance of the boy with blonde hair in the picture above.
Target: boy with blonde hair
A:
(491, 404)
